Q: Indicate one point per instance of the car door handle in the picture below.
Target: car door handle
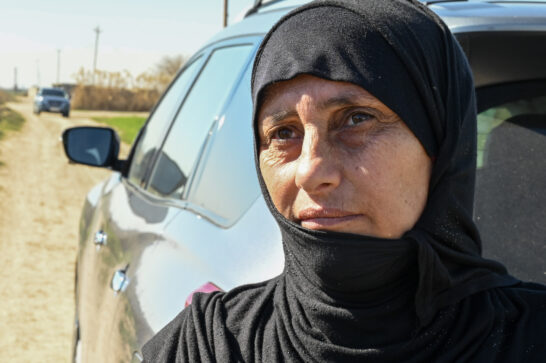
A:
(100, 238)
(119, 281)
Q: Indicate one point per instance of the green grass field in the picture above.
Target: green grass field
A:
(127, 127)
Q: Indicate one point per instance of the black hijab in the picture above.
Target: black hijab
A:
(428, 296)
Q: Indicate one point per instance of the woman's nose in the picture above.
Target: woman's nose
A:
(318, 171)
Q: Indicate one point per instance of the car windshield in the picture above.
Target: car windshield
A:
(53, 92)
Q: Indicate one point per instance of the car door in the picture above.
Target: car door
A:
(158, 263)
(122, 223)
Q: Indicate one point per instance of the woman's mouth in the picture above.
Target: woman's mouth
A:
(325, 218)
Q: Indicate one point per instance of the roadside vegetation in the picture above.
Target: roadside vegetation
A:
(126, 126)
(6, 97)
(121, 91)
(9, 119)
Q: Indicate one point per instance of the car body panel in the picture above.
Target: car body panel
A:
(154, 236)
(129, 230)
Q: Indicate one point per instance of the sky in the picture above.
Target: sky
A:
(135, 35)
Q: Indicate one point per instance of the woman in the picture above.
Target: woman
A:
(365, 141)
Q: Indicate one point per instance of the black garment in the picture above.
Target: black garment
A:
(428, 296)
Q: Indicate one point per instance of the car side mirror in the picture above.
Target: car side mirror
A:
(94, 146)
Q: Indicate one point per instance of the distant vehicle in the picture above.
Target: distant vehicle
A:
(52, 100)
(185, 210)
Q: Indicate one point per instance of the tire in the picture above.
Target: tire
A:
(66, 114)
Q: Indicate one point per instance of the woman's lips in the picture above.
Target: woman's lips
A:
(325, 218)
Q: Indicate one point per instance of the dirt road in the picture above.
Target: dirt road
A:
(41, 197)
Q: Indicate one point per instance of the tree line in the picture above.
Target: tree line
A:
(121, 91)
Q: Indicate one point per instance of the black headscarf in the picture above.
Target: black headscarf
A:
(428, 296)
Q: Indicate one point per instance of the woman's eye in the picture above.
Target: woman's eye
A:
(358, 118)
(284, 133)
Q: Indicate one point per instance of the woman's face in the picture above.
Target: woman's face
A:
(335, 158)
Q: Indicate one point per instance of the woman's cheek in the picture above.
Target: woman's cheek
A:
(278, 176)
(270, 158)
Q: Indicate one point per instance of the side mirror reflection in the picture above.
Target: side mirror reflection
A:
(95, 146)
(168, 177)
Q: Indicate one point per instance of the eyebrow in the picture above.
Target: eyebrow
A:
(347, 99)
(281, 115)
(343, 100)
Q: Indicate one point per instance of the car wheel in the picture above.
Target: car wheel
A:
(66, 114)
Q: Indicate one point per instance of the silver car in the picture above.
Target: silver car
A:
(185, 211)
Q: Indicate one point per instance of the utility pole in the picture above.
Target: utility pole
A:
(97, 31)
(58, 65)
(15, 79)
(38, 73)
(225, 12)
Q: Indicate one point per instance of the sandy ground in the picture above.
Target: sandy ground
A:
(41, 197)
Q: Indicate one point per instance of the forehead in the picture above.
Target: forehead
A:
(315, 92)
(310, 85)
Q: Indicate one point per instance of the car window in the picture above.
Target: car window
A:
(152, 133)
(511, 185)
(227, 183)
(494, 117)
(193, 123)
(53, 92)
